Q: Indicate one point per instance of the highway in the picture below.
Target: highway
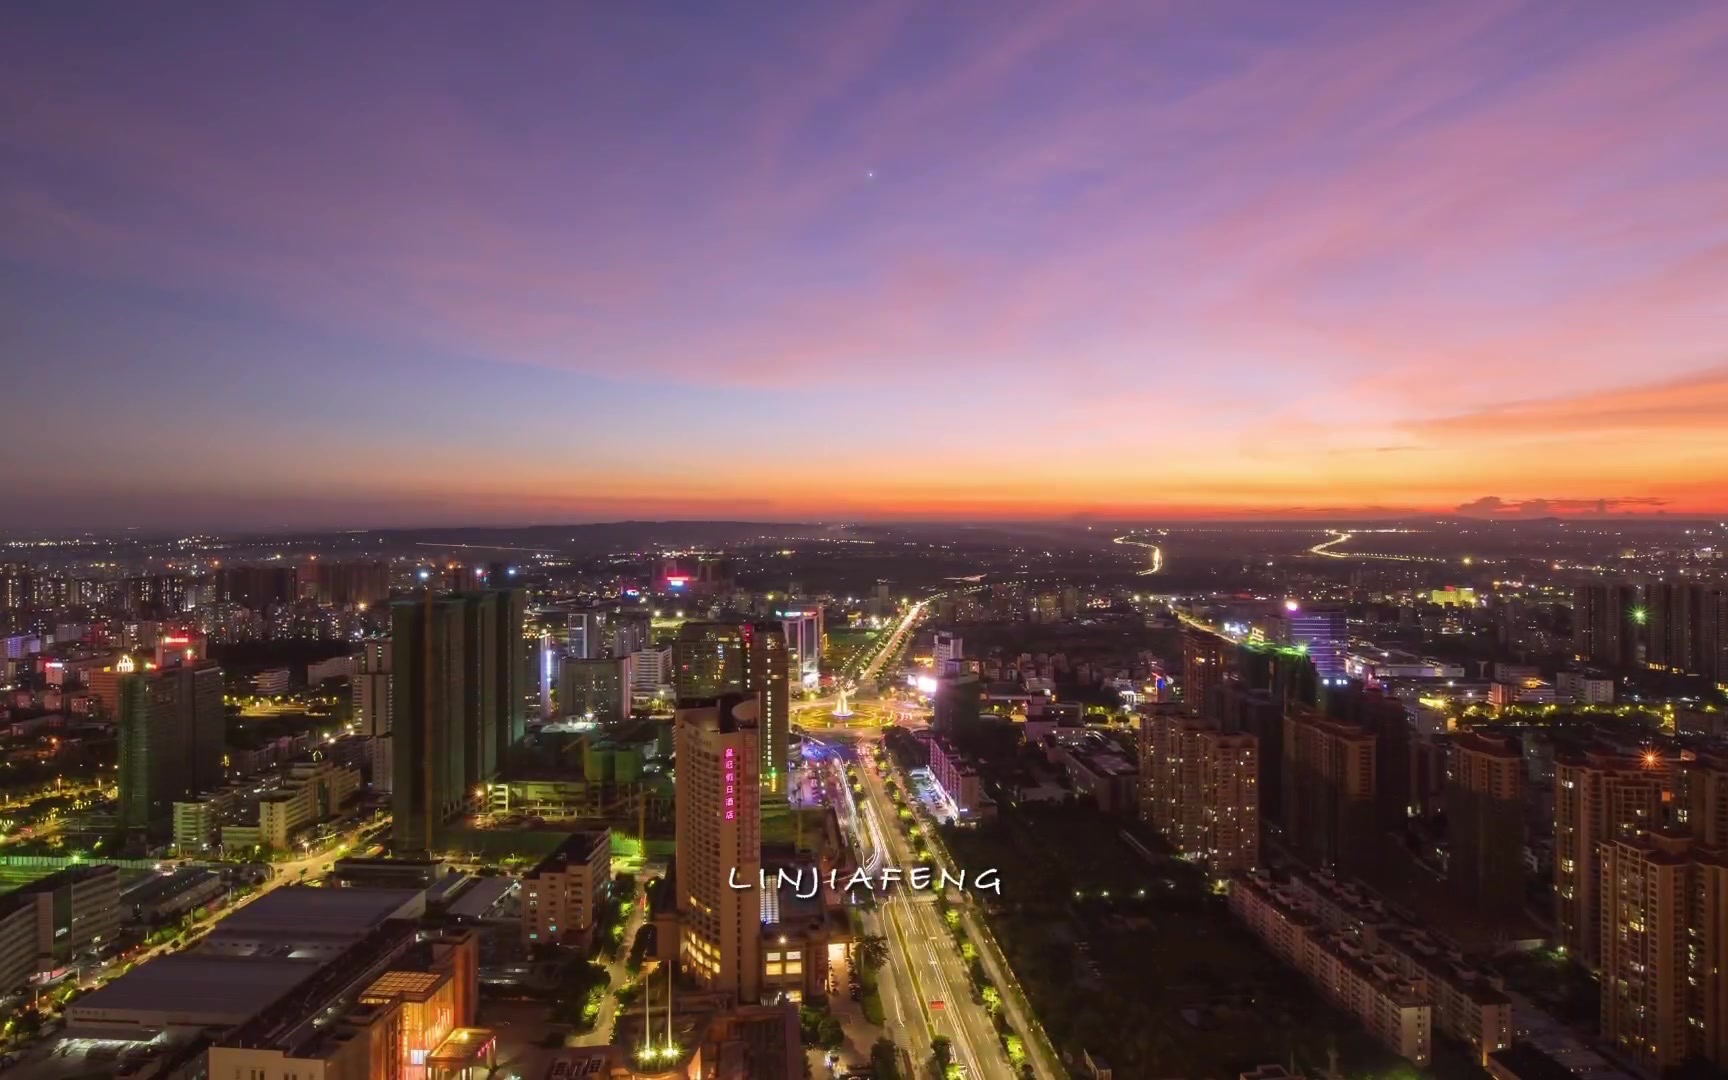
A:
(1157, 553)
(1328, 549)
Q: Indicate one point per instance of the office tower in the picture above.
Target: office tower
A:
(714, 658)
(1604, 623)
(1599, 798)
(1324, 635)
(949, 650)
(1672, 613)
(171, 732)
(586, 637)
(1329, 791)
(719, 842)
(594, 689)
(1485, 822)
(1200, 789)
(802, 628)
(457, 703)
(1205, 657)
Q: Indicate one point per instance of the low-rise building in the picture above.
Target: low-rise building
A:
(562, 894)
(1355, 976)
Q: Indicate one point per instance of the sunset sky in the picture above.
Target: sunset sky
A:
(293, 264)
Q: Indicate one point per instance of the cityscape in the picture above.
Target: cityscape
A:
(889, 541)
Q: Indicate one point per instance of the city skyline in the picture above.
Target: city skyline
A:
(316, 268)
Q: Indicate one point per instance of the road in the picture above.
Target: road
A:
(893, 642)
(1157, 553)
(1038, 1048)
(926, 965)
(617, 976)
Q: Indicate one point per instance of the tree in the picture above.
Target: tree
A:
(885, 1060)
(871, 951)
(941, 1052)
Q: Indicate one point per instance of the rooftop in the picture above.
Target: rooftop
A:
(194, 989)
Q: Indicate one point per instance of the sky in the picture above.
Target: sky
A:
(332, 265)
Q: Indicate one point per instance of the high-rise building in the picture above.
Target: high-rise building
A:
(1599, 798)
(802, 627)
(1664, 942)
(1485, 821)
(1329, 791)
(714, 658)
(1205, 659)
(1605, 623)
(1324, 635)
(370, 688)
(458, 704)
(257, 588)
(1200, 789)
(586, 637)
(345, 584)
(1713, 637)
(719, 842)
(171, 727)
(594, 688)
(1673, 611)
(949, 651)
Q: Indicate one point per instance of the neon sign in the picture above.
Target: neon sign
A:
(730, 769)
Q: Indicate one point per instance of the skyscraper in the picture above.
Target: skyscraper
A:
(1485, 822)
(171, 731)
(457, 703)
(719, 841)
(714, 658)
(1604, 623)
(1599, 798)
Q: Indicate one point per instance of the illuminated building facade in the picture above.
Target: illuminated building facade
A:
(1324, 635)
(802, 630)
(1205, 659)
(719, 835)
(1599, 798)
(1200, 789)
(598, 689)
(562, 894)
(714, 658)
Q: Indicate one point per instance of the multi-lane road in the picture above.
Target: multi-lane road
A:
(931, 993)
